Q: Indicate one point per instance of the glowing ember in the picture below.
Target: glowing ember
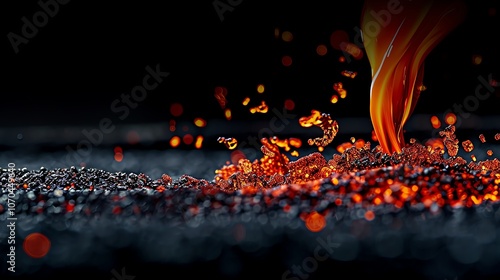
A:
(482, 138)
(324, 121)
(468, 146)
(450, 141)
(262, 108)
(397, 59)
(349, 74)
(339, 88)
(246, 101)
(230, 143)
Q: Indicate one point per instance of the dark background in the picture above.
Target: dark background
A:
(90, 53)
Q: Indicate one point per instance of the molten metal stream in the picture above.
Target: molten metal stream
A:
(397, 39)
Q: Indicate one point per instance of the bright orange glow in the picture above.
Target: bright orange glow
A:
(334, 99)
(289, 104)
(175, 141)
(339, 88)
(349, 74)
(176, 109)
(286, 60)
(188, 139)
(450, 118)
(260, 88)
(246, 101)
(396, 53)
(262, 108)
(369, 215)
(230, 143)
(199, 122)
(342, 59)
(436, 123)
(227, 114)
(315, 222)
(118, 157)
(199, 142)
(321, 50)
(287, 36)
(36, 245)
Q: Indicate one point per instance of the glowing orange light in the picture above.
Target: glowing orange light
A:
(374, 136)
(199, 122)
(199, 142)
(436, 123)
(260, 88)
(334, 99)
(295, 142)
(175, 141)
(118, 157)
(489, 152)
(287, 36)
(482, 138)
(321, 50)
(227, 114)
(36, 245)
(188, 139)
(289, 104)
(262, 108)
(450, 118)
(294, 153)
(315, 222)
(396, 52)
(246, 101)
(349, 74)
(286, 60)
(176, 109)
(342, 59)
(369, 215)
(339, 88)
(230, 143)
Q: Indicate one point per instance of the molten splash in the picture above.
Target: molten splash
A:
(396, 51)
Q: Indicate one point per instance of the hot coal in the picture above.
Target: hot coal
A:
(99, 221)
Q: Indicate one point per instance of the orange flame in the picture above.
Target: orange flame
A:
(397, 41)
